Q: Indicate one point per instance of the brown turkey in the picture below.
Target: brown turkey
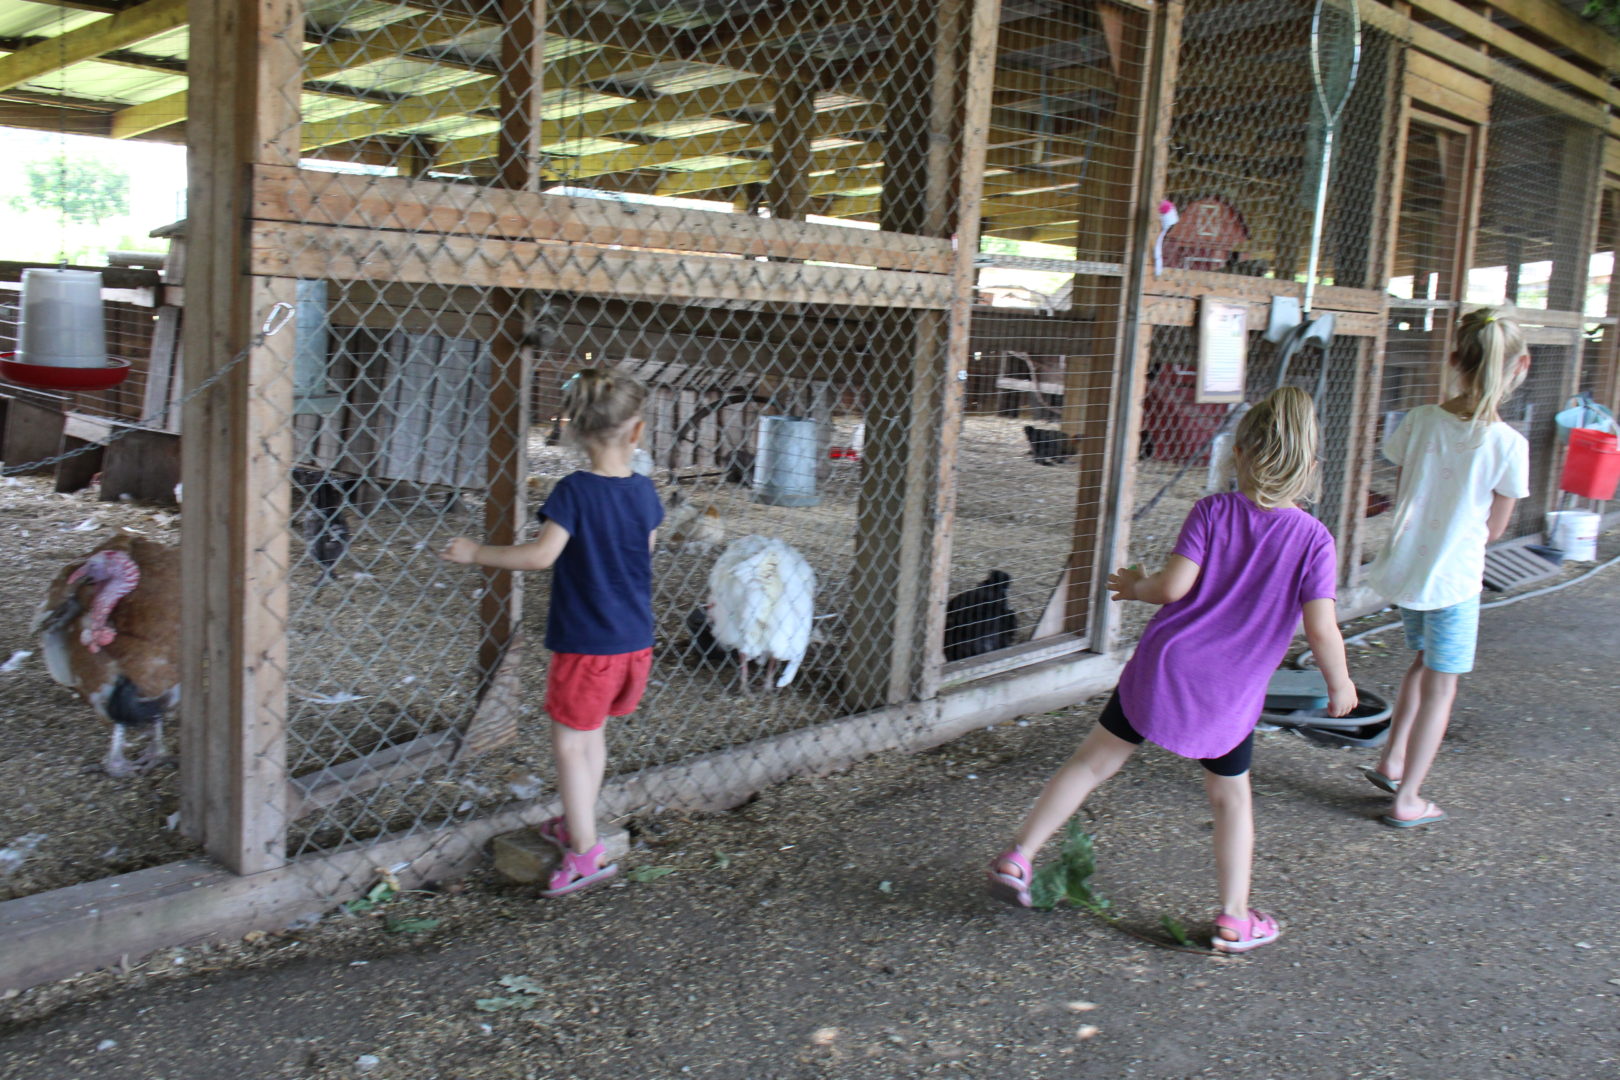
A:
(109, 630)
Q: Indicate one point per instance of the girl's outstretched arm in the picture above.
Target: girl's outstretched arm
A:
(1176, 580)
(1327, 645)
(537, 554)
(1501, 515)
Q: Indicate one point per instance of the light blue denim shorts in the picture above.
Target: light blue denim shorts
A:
(1446, 636)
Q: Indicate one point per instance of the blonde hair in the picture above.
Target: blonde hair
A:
(1275, 450)
(1487, 342)
(597, 402)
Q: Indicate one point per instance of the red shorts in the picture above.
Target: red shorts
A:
(583, 690)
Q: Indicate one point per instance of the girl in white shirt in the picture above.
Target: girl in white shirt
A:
(1461, 471)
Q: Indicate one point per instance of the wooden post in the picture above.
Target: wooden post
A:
(788, 192)
(907, 372)
(246, 81)
(1129, 385)
(1607, 390)
(1105, 233)
(505, 508)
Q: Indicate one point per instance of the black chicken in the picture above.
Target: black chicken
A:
(1050, 447)
(980, 620)
(326, 525)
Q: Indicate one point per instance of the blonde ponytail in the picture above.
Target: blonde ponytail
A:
(597, 402)
(1487, 343)
(1275, 450)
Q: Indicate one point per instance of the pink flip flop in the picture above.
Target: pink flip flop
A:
(1257, 930)
(577, 872)
(1004, 886)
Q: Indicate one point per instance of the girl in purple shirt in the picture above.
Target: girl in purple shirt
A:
(1247, 565)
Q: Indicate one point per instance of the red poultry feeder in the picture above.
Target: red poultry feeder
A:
(63, 379)
(1592, 469)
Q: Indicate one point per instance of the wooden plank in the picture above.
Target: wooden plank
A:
(1195, 283)
(1561, 24)
(1508, 43)
(402, 761)
(363, 254)
(142, 465)
(500, 605)
(1444, 87)
(235, 454)
(430, 206)
(33, 433)
(1104, 234)
(1470, 59)
(332, 56)
(983, 22)
(90, 41)
(788, 192)
(97, 924)
(1129, 384)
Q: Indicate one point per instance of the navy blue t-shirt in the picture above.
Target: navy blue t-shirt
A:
(601, 586)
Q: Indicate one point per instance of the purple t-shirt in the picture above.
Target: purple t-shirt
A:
(1198, 678)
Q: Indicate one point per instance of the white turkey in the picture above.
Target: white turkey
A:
(109, 630)
(762, 604)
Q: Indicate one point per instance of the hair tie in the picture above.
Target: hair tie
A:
(570, 381)
(1489, 319)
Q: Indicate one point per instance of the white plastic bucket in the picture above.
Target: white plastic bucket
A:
(63, 324)
(785, 469)
(1575, 533)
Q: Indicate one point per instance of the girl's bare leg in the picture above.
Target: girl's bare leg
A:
(1229, 798)
(1437, 692)
(1098, 758)
(581, 757)
(1392, 762)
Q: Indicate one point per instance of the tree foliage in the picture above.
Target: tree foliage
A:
(1606, 13)
(80, 189)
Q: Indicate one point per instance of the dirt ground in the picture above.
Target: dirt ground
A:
(837, 927)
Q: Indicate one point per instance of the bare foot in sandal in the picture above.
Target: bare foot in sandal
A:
(1010, 876)
(1427, 815)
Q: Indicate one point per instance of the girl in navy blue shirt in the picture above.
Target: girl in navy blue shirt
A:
(600, 527)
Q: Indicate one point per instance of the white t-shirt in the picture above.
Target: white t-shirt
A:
(1449, 471)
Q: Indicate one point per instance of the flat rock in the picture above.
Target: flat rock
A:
(522, 856)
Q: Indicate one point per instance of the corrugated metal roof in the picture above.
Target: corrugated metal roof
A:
(20, 18)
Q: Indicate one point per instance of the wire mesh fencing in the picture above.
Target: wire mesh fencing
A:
(650, 190)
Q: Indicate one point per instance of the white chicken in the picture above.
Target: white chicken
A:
(691, 526)
(762, 604)
(109, 630)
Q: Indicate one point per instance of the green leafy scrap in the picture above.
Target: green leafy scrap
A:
(501, 1004)
(1068, 878)
(523, 984)
(650, 873)
(1177, 932)
(402, 925)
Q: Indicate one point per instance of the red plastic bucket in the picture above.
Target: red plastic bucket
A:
(1592, 469)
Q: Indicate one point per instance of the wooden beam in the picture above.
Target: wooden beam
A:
(244, 54)
(88, 42)
(369, 255)
(1508, 43)
(788, 191)
(427, 206)
(982, 18)
(500, 605)
(331, 57)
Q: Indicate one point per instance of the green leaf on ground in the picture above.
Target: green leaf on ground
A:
(523, 984)
(1177, 932)
(650, 873)
(501, 1004)
(721, 860)
(1068, 879)
(418, 925)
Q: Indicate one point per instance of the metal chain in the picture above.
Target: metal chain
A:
(279, 315)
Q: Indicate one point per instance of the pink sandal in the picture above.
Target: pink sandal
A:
(577, 872)
(1257, 930)
(1007, 887)
(555, 831)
